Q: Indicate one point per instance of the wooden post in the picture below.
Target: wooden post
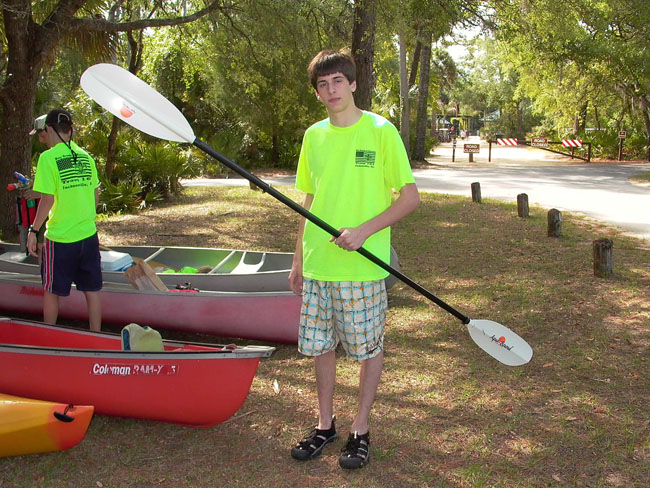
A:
(620, 148)
(554, 219)
(603, 258)
(522, 206)
(476, 192)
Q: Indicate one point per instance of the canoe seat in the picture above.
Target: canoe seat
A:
(137, 338)
(245, 268)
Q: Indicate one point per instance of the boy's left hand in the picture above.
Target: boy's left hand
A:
(350, 239)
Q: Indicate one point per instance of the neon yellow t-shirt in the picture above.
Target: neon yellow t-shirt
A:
(351, 171)
(72, 217)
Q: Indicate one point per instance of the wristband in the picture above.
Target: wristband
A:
(31, 229)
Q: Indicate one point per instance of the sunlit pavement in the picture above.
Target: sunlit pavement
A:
(602, 192)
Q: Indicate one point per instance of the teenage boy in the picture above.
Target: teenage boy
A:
(349, 165)
(66, 178)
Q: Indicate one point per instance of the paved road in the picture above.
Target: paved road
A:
(598, 191)
(602, 192)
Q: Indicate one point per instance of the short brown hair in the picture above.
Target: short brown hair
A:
(329, 62)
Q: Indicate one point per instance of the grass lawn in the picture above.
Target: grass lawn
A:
(447, 414)
(641, 179)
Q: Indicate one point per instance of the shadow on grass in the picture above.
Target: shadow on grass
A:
(447, 414)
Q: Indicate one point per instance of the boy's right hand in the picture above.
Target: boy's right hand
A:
(32, 244)
(295, 279)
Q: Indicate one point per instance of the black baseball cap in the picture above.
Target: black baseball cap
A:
(58, 116)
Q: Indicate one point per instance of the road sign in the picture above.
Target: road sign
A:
(622, 134)
(539, 142)
(471, 148)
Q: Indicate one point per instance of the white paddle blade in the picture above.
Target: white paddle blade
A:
(129, 98)
(500, 342)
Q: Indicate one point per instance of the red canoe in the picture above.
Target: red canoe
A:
(187, 383)
(269, 316)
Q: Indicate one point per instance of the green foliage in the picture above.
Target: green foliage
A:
(158, 167)
(247, 79)
(149, 173)
(123, 197)
(604, 144)
(590, 69)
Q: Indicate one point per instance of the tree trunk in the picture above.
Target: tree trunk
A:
(405, 120)
(363, 51)
(645, 116)
(275, 141)
(111, 150)
(28, 47)
(414, 63)
(135, 63)
(583, 116)
(421, 150)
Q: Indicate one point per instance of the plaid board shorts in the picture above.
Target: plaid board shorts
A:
(350, 312)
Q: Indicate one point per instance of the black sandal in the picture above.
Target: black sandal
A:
(356, 452)
(312, 445)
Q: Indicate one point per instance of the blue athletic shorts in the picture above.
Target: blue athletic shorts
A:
(350, 312)
(65, 263)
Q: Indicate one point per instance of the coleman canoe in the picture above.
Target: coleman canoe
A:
(270, 316)
(218, 269)
(36, 426)
(191, 384)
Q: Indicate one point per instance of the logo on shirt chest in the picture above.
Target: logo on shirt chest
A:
(74, 171)
(364, 159)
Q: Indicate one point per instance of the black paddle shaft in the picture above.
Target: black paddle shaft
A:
(325, 226)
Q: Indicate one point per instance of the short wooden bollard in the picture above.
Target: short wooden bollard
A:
(522, 205)
(603, 258)
(476, 192)
(554, 219)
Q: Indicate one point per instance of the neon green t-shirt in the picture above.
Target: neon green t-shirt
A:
(351, 171)
(72, 217)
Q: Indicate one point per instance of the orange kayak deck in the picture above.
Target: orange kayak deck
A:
(36, 426)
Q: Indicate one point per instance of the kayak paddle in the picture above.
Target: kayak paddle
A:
(132, 100)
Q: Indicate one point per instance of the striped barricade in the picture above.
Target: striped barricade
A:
(571, 142)
(507, 141)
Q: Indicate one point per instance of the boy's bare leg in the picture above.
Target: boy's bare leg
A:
(50, 307)
(325, 379)
(369, 376)
(94, 310)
